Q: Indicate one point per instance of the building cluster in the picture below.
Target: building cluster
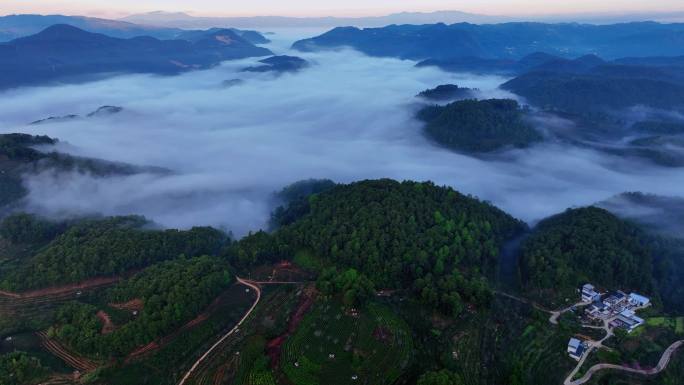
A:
(618, 308)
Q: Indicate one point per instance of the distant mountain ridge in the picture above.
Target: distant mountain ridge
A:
(505, 41)
(16, 26)
(184, 20)
(63, 52)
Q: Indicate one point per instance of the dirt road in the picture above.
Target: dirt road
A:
(662, 364)
(206, 354)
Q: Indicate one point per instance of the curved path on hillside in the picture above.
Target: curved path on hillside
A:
(225, 336)
(662, 364)
(554, 313)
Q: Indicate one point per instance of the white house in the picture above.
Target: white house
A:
(638, 300)
(589, 294)
(628, 321)
(576, 348)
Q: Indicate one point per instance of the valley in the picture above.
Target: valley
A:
(462, 204)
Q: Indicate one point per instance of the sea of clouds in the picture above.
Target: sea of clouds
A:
(347, 117)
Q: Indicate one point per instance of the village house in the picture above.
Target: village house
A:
(576, 348)
(627, 320)
(638, 300)
(589, 294)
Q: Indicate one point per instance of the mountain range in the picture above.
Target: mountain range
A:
(504, 41)
(16, 26)
(184, 20)
(66, 53)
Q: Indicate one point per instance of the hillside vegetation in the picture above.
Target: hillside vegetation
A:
(431, 240)
(479, 125)
(597, 92)
(585, 245)
(172, 293)
(106, 247)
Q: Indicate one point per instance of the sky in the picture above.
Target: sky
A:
(120, 8)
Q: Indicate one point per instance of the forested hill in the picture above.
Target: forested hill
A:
(436, 242)
(101, 247)
(173, 292)
(62, 52)
(585, 245)
(479, 125)
(601, 89)
(507, 40)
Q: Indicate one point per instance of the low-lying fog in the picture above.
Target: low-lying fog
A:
(346, 118)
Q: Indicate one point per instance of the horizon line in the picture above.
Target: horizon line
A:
(551, 15)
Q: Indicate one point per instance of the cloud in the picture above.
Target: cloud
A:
(347, 117)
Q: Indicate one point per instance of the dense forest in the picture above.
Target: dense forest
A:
(432, 240)
(172, 293)
(292, 200)
(585, 245)
(18, 368)
(100, 247)
(23, 228)
(479, 125)
(447, 92)
(598, 92)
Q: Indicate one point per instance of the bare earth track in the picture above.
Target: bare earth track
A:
(662, 364)
(71, 359)
(250, 284)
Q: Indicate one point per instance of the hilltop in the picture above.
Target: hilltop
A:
(63, 52)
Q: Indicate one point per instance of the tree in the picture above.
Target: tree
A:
(442, 377)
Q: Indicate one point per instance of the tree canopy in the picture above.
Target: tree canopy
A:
(479, 125)
(432, 240)
(442, 377)
(585, 245)
(106, 247)
(172, 293)
(18, 368)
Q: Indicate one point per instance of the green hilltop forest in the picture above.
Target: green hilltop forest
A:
(96, 248)
(600, 90)
(438, 242)
(593, 245)
(479, 125)
(173, 292)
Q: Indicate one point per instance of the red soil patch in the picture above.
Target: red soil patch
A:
(274, 347)
(135, 304)
(88, 284)
(107, 324)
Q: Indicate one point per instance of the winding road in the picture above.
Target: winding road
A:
(593, 345)
(662, 364)
(206, 354)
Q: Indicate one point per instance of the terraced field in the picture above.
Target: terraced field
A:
(337, 346)
(232, 362)
(512, 335)
(34, 308)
